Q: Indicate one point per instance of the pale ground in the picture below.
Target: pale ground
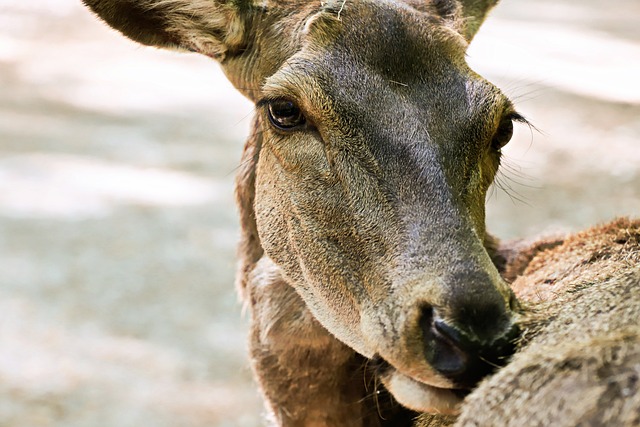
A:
(117, 223)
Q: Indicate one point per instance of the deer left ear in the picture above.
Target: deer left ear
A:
(474, 13)
(467, 14)
(211, 27)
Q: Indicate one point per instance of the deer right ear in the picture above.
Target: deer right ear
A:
(211, 27)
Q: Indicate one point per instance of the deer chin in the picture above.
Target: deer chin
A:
(420, 396)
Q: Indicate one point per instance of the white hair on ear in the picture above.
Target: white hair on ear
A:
(208, 27)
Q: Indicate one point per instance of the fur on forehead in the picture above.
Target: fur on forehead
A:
(461, 16)
(444, 16)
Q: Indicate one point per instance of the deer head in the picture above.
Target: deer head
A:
(376, 144)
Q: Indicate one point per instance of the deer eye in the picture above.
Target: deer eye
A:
(503, 134)
(285, 114)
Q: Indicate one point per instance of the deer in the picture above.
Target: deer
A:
(374, 289)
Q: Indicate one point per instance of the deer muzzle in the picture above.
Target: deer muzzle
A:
(461, 356)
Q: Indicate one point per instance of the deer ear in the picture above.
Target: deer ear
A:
(468, 15)
(211, 27)
(474, 13)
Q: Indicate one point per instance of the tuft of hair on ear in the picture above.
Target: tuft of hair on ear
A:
(211, 27)
(133, 20)
(466, 16)
(474, 13)
(445, 8)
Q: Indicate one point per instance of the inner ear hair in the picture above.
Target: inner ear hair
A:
(474, 13)
(467, 15)
(210, 27)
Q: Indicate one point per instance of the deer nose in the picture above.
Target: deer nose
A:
(461, 356)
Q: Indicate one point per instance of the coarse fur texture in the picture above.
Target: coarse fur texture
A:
(578, 362)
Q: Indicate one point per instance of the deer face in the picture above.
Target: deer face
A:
(377, 145)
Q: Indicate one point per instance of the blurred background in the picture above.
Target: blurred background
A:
(117, 221)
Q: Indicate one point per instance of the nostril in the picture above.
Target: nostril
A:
(442, 346)
(446, 357)
(452, 334)
(464, 359)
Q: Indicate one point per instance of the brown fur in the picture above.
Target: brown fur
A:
(361, 244)
(579, 354)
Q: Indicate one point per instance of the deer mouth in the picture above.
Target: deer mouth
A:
(417, 395)
(458, 369)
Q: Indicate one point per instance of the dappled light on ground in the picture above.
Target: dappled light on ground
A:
(86, 374)
(66, 186)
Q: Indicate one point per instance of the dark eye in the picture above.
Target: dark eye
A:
(503, 134)
(285, 114)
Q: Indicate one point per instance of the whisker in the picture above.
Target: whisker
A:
(376, 397)
(489, 362)
(507, 179)
(249, 114)
(503, 184)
